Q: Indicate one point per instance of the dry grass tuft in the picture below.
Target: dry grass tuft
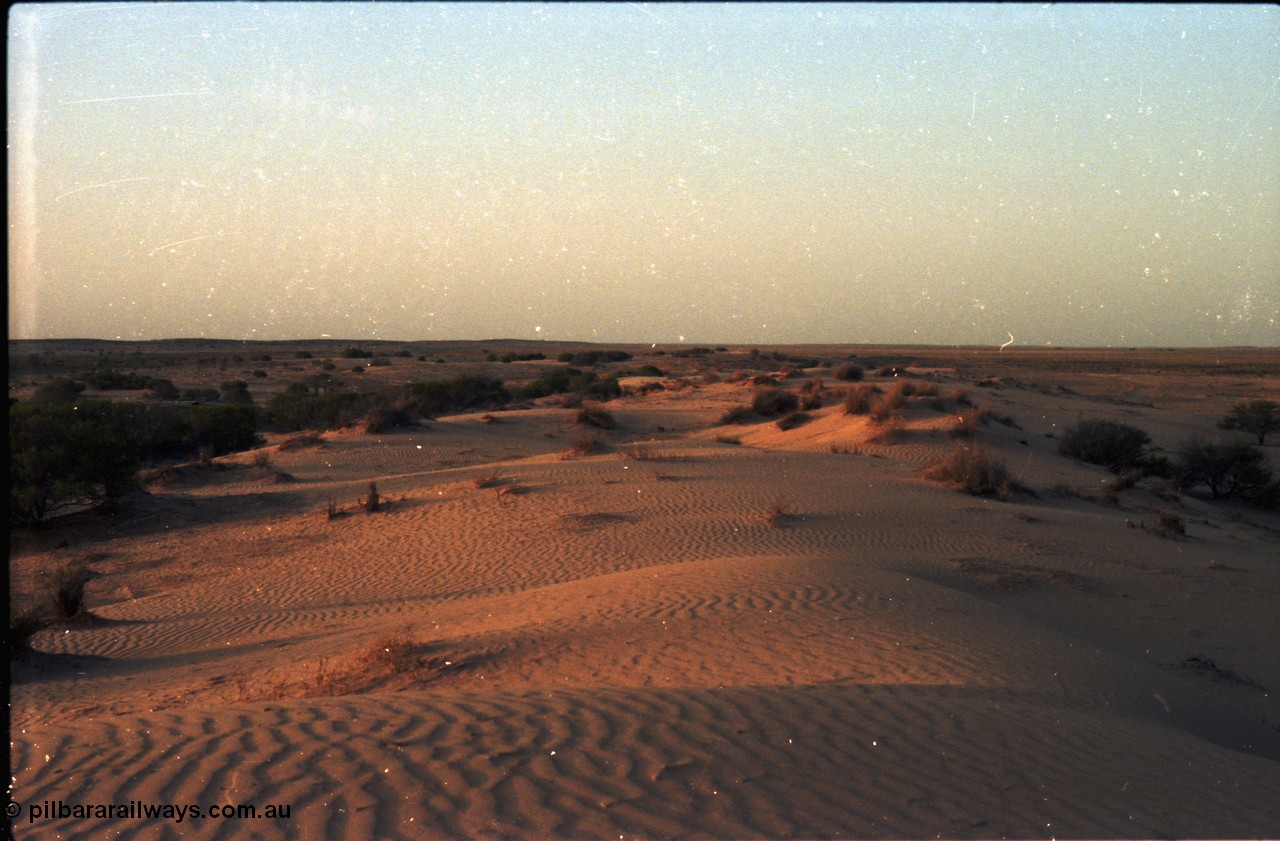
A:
(592, 414)
(490, 480)
(583, 445)
(777, 514)
(857, 398)
(973, 470)
(67, 588)
(890, 403)
(395, 653)
(372, 502)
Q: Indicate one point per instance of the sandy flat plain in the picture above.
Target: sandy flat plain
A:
(697, 631)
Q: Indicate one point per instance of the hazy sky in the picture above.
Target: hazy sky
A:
(1087, 175)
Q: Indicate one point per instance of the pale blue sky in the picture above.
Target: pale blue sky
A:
(1070, 175)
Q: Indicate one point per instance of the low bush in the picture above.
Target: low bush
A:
(1114, 445)
(774, 401)
(736, 414)
(793, 420)
(848, 371)
(382, 419)
(591, 414)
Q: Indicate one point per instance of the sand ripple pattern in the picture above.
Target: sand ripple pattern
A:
(848, 761)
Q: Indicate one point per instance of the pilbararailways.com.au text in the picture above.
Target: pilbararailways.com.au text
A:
(138, 810)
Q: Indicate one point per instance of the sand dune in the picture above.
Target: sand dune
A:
(793, 636)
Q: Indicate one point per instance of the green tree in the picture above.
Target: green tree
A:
(1230, 468)
(62, 455)
(1258, 417)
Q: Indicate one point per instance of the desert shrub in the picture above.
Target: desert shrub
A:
(1112, 444)
(649, 371)
(736, 414)
(1228, 469)
(571, 380)
(889, 404)
(67, 590)
(162, 389)
(961, 397)
(1257, 417)
(384, 418)
(582, 445)
(235, 392)
(777, 513)
(302, 406)
(224, 429)
(461, 393)
(774, 401)
(394, 652)
(848, 371)
(59, 390)
(857, 399)
(355, 353)
(1169, 522)
(792, 420)
(811, 395)
(973, 470)
(105, 379)
(591, 414)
